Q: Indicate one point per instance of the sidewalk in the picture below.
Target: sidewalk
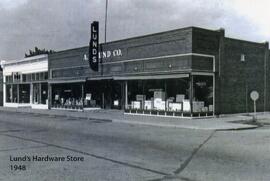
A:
(229, 122)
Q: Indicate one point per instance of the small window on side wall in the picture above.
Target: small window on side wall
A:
(243, 58)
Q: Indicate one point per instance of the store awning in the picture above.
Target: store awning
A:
(66, 81)
(145, 77)
(99, 78)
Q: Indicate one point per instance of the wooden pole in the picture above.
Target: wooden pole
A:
(106, 14)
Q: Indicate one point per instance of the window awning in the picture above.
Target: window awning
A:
(66, 81)
(137, 77)
(145, 77)
(99, 78)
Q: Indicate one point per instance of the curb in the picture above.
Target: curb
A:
(134, 122)
(183, 126)
(59, 115)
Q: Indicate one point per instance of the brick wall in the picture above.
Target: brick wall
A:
(238, 78)
(160, 44)
(234, 79)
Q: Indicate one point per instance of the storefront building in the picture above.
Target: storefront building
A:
(184, 72)
(25, 82)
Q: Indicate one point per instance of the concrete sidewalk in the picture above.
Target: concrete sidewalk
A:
(231, 122)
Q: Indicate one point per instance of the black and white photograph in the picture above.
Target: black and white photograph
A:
(134, 90)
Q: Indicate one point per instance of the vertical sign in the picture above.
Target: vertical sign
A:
(93, 46)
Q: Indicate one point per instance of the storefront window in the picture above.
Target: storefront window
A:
(9, 79)
(45, 75)
(24, 93)
(24, 77)
(36, 94)
(14, 93)
(37, 77)
(161, 96)
(94, 94)
(44, 93)
(28, 77)
(20, 93)
(67, 96)
(8, 93)
(171, 97)
(202, 94)
(33, 76)
(11, 93)
(41, 76)
(106, 94)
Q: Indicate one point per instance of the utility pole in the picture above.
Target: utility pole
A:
(105, 40)
(106, 14)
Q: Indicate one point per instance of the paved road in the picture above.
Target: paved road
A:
(114, 151)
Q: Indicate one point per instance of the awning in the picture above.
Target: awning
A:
(66, 81)
(99, 78)
(134, 77)
(145, 77)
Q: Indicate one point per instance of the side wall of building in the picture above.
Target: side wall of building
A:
(240, 76)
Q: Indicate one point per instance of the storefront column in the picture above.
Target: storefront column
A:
(214, 94)
(11, 93)
(126, 94)
(18, 93)
(31, 93)
(82, 95)
(165, 89)
(4, 93)
(40, 92)
(191, 94)
(49, 96)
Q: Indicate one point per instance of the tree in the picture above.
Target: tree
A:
(38, 51)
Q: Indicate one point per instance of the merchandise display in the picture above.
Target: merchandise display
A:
(136, 105)
(159, 104)
(180, 97)
(198, 106)
(186, 105)
(148, 105)
(175, 106)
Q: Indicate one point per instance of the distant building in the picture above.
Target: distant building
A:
(25, 82)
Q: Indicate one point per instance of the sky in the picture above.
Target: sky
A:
(65, 24)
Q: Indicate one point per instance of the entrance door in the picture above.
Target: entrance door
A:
(106, 93)
(116, 95)
(112, 94)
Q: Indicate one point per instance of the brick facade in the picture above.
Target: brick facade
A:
(234, 79)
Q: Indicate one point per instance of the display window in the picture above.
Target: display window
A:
(44, 93)
(20, 90)
(94, 94)
(202, 94)
(171, 97)
(67, 96)
(9, 93)
(36, 94)
(105, 94)
(14, 92)
(24, 93)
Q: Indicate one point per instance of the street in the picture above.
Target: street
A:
(103, 150)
